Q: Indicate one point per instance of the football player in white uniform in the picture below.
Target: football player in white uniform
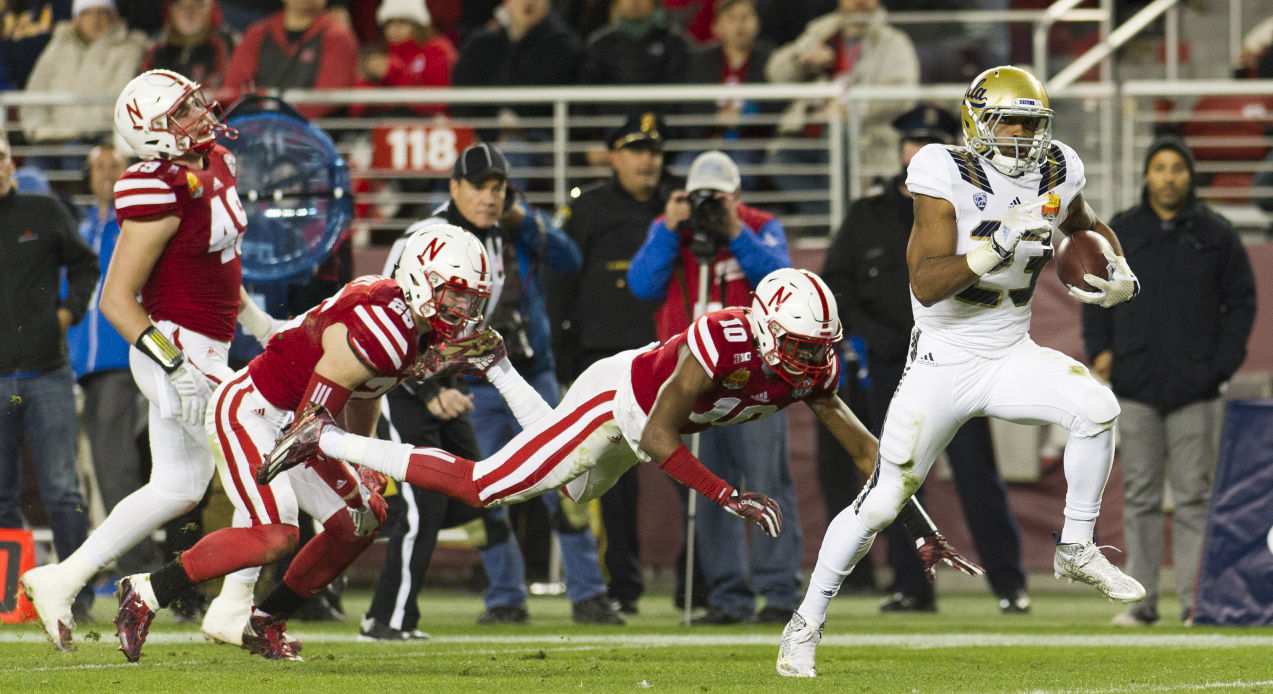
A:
(985, 213)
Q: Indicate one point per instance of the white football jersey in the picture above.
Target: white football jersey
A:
(994, 312)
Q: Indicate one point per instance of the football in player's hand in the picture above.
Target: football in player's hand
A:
(1082, 253)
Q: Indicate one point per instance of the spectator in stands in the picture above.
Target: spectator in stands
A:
(1167, 356)
(737, 56)
(25, 29)
(1254, 60)
(37, 400)
(639, 47)
(737, 246)
(782, 22)
(92, 54)
(417, 55)
(303, 46)
(600, 316)
(534, 48)
(852, 46)
(192, 43)
(866, 268)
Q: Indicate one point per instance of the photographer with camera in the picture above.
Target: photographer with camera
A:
(706, 227)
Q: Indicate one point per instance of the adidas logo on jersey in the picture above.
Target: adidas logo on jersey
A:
(260, 412)
(928, 359)
(1015, 201)
(761, 397)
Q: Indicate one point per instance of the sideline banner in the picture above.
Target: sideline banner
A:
(1235, 582)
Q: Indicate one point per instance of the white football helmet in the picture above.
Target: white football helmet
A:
(796, 325)
(446, 276)
(162, 115)
(1007, 92)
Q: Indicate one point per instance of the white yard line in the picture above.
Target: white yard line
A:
(914, 641)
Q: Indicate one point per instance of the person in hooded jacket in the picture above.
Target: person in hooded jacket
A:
(1167, 356)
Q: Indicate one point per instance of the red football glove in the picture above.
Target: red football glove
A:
(935, 548)
(372, 480)
(755, 507)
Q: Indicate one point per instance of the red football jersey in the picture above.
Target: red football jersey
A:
(381, 333)
(195, 282)
(744, 388)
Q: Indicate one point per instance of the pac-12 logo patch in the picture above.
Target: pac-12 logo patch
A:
(979, 199)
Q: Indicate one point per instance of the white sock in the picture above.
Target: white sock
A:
(1087, 463)
(382, 456)
(141, 584)
(332, 442)
(527, 404)
(846, 541)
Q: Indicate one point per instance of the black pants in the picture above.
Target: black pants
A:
(982, 494)
(416, 515)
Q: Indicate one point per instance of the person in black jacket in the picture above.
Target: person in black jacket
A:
(736, 57)
(38, 238)
(1167, 356)
(534, 49)
(639, 47)
(598, 316)
(866, 267)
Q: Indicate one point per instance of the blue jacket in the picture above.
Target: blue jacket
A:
(93, 342)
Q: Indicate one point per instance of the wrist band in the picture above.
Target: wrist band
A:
(325, 392)
(689, 471)
(153, 344)
(983, 258)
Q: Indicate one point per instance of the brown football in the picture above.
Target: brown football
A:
(1082, 253)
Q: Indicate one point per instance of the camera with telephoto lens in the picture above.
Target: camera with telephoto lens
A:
(708, 221)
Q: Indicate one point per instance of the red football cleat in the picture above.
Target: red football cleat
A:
(298, 445)
(268, 639)
(133, 621)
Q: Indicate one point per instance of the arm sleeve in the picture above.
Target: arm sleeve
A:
(379, 337)
(339, 62)
(762, 252)
(82, 269)
(929, 173)
(651, 268)
(1098, 330)
(701, 339)
(1237, 305)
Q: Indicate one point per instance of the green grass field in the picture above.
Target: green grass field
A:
(1064, 645)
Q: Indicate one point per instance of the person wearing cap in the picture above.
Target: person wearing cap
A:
(866, 267)
(94, 53)
(598, 316)
(1168, 356)
(417, 56)
(740, 246)
(516, 236)
(302, 46)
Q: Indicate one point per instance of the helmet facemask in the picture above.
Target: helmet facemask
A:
(193, 122)
(800, 360)
(455, 307)
(1011, 155)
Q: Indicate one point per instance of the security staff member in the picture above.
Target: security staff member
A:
(866, 267)
(599, 315)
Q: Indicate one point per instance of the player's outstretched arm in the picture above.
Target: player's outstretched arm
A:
(931, 545)
(661, 440)
(860, 443)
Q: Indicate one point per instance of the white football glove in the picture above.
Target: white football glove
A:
(194, 391)
(1017, 222)
(1121, 286)
(260, 324)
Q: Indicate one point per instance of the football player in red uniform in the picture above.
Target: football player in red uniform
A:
(731, 366)
(181, 226)
(343, 354)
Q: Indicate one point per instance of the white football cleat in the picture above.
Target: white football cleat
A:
(1084, 562)
(799, 642)
(228, 613)
(51, 594)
